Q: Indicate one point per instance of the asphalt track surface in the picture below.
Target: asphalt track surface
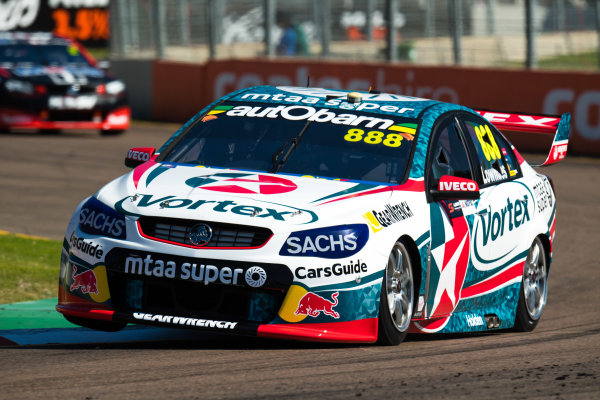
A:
(42, 179)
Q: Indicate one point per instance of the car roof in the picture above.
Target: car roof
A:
(32, 38)
(373, 102)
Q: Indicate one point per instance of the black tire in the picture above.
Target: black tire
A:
(49, 132)
(534, 288)
(111, 132)
(399, 286)
(95, 324)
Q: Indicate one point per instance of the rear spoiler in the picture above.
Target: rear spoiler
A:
(537, 123)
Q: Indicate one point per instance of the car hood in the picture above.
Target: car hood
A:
(276, 201)
(63, 75)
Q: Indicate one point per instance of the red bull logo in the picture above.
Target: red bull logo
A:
(312, 304)
(85, 281)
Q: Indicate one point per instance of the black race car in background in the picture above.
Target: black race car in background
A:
(52, 83)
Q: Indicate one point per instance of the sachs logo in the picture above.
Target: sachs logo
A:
(234, 182)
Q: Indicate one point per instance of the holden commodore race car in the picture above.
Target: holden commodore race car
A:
(323, 215)
(51, 83)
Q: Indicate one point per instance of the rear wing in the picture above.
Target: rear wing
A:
(537, 123)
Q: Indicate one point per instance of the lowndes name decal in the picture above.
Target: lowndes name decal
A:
(132, 205)
(169, 319)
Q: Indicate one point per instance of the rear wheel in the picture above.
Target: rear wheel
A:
(95, 324)
(534, 288)
(397, 296)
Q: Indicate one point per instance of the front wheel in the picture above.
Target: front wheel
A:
(534, 288)
(397, 297)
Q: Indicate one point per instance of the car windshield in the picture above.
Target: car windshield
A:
(330, 142)
(50, 55)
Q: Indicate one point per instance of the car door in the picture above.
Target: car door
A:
(448, 158)
(502, 215)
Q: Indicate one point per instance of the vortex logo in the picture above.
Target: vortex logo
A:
(256, 276)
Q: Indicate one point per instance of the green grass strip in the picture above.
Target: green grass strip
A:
(29, 268)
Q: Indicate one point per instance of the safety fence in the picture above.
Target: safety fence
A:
(428, 32)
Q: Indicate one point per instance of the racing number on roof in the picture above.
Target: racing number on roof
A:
(374, 137)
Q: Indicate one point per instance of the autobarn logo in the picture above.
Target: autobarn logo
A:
(389, 215)
(235, 182)
(133, 205)
(194, 270)
(312, 114)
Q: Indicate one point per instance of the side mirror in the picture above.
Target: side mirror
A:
(138, 155)
(455, 188)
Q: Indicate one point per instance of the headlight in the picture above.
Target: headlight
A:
(96, 218)
(332, 242)
(14, 85)
(115, 87)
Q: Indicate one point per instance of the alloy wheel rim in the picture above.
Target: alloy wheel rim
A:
(535, 282)
(399, 285)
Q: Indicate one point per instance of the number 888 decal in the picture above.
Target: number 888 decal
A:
(374, 137)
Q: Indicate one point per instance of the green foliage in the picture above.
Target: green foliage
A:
(28, 268)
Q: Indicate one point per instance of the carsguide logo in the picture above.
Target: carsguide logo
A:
(233, 182)
(332, 242)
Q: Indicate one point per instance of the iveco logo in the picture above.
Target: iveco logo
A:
(200, 234)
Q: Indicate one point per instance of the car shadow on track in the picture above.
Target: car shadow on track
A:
(209, 341)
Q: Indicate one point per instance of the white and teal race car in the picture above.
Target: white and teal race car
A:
(322, 215)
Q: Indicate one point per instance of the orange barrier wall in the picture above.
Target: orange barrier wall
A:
(182, 89)
(179, 91)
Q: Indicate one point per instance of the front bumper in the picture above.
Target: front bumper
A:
(117, 119)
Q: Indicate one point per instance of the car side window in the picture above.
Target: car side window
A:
(490, 158)
(509, 156)
(448, 155)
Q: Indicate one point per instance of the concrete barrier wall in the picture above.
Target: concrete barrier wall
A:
(180, 90)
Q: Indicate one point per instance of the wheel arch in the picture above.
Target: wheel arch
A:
(413, 250)
(547, 248)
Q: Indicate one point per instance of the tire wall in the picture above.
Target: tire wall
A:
(180, 90)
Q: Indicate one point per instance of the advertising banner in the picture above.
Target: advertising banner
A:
(82, 20)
